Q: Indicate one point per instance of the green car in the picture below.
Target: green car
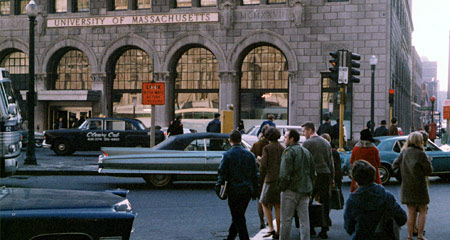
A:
(185, 157)
(389, 148)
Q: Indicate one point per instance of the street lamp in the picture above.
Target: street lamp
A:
(32, 11)
(432, 99)
(373, 64)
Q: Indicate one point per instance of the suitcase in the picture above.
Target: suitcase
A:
(316, 216)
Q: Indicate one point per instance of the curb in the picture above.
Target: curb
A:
(56, 172)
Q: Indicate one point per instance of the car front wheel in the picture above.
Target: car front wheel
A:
(159, 180)
(62, 147)
(385, 173)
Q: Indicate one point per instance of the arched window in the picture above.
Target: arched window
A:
(264, 86)
(197, 88)
(73, 71)
(132, 68)
(17, 65)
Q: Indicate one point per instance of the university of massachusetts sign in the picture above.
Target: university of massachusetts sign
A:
(125, 20)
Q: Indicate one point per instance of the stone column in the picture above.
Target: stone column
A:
(41, 110)
(99, 83)
(293, 98)
(164, 112)
(229, 93)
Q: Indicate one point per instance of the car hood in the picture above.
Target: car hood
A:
(36, 198)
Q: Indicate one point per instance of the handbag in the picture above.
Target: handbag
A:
(317, 215)
(387, 228)
(337, 199)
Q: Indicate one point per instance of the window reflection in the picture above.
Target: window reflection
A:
(73, 72)
(197, 88)
(5, 7)
(250, 2)
(82, 5)
(60, 6)
(276, 1)
(132, 69)
(184, 3)
(129, 105)
(120, 4)
(207, 3)
(23, 4)
(16, 63)
(264, 86)
(142, 4)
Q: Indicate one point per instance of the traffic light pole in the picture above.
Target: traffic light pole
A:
(341, 120)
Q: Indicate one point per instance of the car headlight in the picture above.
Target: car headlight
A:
(123, 206)
(12, 148)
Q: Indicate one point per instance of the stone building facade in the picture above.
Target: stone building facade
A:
(261, 56)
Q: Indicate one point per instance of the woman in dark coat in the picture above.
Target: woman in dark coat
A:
(414, 167)
(270, 168)
(257, 149)
(365, 149)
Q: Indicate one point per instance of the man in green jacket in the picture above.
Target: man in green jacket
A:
(297, 176)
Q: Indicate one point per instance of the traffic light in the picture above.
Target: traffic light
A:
(353, 65)
(334, 65)
(391, 96)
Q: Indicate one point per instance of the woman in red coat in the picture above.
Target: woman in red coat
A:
(365, 149)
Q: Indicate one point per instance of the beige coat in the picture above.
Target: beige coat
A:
(414, 167)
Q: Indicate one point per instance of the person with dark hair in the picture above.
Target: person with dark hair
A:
(296, 181)
(393, 129)
(365, 208)
(257, 149)
(214, 125)
(381, 130)
(337, 163)
(238, 167)
(324, 166)
(270, 169)
(269, 122)
(366, 149)
(241, 127)
(325, 127)
(175, 127)
(414, 166)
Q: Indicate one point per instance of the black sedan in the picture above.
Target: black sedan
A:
(46, 214)
(95, 133)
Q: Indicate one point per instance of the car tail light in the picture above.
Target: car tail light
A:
(104, 154)
(123, 206)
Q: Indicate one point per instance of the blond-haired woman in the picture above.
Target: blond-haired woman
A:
(414, 167)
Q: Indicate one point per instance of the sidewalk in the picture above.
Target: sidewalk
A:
(81, 163)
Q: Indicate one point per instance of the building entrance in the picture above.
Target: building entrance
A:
(68, 117)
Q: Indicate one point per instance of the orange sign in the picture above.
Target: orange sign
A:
(446, 112)
(153, 93)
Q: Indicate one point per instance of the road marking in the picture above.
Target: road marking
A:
(264, 231)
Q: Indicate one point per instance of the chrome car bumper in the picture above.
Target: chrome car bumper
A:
(45, 145)
(12, 164)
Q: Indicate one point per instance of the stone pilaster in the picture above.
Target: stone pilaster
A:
(99, 83)
(164, 112)
(293, 96)
(229, 93)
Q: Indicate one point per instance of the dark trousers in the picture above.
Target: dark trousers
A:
(238, 205)
(323, 190)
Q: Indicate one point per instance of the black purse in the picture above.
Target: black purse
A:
(337, 199)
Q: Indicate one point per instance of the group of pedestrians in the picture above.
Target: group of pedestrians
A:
(292, 177)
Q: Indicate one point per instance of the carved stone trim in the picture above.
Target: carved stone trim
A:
(162, 77)
(228, 77)
(297, 12)
(227, 14)
(98, 77)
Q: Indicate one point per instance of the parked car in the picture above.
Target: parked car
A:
(38, 139)
(389, 148)
(250, 137)
(95, 133)
(47, 214)
(191, 156)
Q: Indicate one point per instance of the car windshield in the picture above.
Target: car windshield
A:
(83, 125)
(253, 130)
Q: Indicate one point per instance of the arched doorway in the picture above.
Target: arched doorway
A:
(131, 66)
(69, 69)
(264, 86)
(197, 88)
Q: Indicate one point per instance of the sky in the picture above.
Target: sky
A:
(431, 20)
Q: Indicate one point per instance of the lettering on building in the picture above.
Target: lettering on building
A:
(260, 15)
(127, 20)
